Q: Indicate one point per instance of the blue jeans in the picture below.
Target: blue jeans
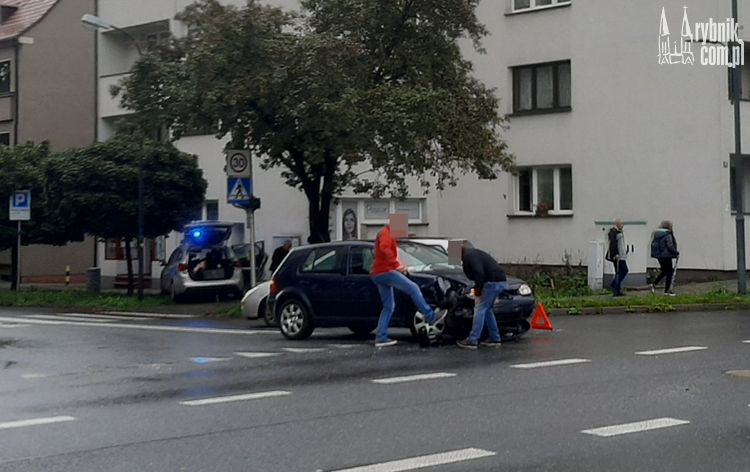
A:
(483, 314)
(621, 271)
(386, 283)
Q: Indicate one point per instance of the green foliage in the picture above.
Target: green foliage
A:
(78, 299)
(560, 285)
(96, 188)
(347, 94)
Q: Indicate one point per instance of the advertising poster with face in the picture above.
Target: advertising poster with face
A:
(349, 221)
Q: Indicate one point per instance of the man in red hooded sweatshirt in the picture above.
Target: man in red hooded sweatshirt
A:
(388, 273)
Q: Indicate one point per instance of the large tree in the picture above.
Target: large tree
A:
(349, 93)
(96, 190)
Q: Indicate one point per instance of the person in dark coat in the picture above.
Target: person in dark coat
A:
(489, 282)
(664, 249)
(279, 254)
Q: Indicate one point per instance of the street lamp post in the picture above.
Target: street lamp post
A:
(97, 23)
(739, 169)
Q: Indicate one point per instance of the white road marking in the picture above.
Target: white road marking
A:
(209, 360)
(13, 325)
(637, 427)
(747, 341)
(343, 346)
(413, 378)
(151, 315)
(35, 422)
(420, 462)
(236, 398)
(105, 317)
(302, 350)
(65, 318)
(178, 329)
(534, 365)
(671, 350)
(34, 376)
(256, 355)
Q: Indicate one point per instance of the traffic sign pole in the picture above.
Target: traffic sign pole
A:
(239, 175)
(18, 260)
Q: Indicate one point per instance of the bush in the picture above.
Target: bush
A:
(558, 285)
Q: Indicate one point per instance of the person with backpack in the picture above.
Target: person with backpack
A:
(617, 254)
(664, 249)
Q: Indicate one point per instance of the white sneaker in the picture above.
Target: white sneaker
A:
(652, 287)
(386, 343)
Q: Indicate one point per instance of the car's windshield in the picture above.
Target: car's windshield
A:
(420, 257)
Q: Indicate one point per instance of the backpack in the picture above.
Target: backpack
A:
(654, 246)
(612, 250)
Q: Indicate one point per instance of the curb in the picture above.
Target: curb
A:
(610, 310)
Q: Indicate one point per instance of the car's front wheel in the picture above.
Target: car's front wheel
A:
(268, 316)
(294, 320)
(434, 332)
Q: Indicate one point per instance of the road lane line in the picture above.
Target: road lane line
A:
(35, 422)
(178, 329)
(747, 341)
(671, 350)
(13, 325)
(302, 350)
(235, 398)
(534, 365)
(413, 378)
(151, 315)
(105, 317)
(420, 462)
(65, 318)
(34, 376)
(637, 427)
(208, 360)
(256, 355)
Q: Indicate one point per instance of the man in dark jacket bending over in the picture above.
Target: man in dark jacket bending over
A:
(489, 282)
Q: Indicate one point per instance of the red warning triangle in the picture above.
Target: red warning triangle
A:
(540, 320)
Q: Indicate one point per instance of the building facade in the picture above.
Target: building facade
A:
(608, 119)
(47, 92)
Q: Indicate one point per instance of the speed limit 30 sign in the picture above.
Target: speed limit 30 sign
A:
(238, 163)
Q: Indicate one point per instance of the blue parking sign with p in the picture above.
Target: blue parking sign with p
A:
(21, 200)
(20, 205)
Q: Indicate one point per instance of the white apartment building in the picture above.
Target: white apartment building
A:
(599, 127)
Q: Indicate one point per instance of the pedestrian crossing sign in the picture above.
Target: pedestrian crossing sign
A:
(239, 189)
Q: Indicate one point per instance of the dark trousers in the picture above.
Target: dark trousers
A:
(667, 271)
(621, 271)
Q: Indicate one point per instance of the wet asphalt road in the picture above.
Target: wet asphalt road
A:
(110, 395)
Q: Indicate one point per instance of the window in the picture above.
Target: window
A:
(541, 87)
(157, 39)
(4, 139)
(524, 5)
(324, 261)
(212, 210)
(544, 190)
(5, 76)
(410, 207)
(361, 260)
(377, 210)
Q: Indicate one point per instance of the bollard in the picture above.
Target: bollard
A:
(67, 275)
(94, 280)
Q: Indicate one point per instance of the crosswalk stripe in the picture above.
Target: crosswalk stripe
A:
(421, 462)
(636, 427)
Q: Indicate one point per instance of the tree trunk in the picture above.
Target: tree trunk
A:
(129, 259)
(319, 199)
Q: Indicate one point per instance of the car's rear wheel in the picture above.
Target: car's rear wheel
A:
(434, 332)
(294, 320)
(268, 316)
(176, 297)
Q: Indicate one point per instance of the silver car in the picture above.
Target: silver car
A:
(254, 304)
(203, 264)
